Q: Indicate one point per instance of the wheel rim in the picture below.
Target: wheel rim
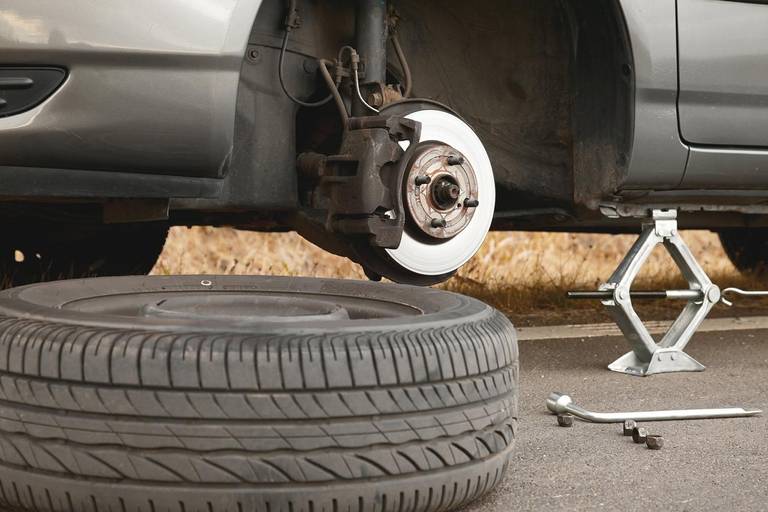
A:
(255, 307)
(238, 307)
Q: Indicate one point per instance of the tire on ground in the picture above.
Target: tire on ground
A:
(162, 394)
(747, 249)
(53, 251)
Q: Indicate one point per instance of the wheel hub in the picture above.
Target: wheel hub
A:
(441, 191)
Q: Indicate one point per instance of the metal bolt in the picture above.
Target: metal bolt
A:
(455, 160)
(654, 442)
(629, 426)
(254, 55)
(310, 66)
(422, 180)
(714, 294)
(639, 434)
(471, 203)
(565, 420)
(376, 99)
(438, 223)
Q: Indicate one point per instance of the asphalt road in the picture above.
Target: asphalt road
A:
(704, 465)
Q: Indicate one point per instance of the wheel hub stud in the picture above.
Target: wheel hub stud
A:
(422, 180)
(471, 203)
(438, 223)
(455, 160)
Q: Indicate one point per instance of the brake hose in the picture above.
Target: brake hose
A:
(292, 21)
(403, 64)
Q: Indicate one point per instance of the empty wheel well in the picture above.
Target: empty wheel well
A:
(547, 84)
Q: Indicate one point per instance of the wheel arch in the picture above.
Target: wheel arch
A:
(548, 86)
(604, 99)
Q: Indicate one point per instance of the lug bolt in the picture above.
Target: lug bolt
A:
(438, 223)
(629, 426)
(422, 180)
(654, 442)
(639, 434)
(455, 160)
(565, 420)
(471, 203)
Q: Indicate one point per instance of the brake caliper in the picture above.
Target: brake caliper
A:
(360, 188)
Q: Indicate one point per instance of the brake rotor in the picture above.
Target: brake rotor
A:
(428, 255)
(442, 255)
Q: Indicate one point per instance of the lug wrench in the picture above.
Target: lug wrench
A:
(560, 403)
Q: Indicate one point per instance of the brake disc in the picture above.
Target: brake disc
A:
(436, 255)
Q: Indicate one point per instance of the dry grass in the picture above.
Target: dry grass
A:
(524, 274)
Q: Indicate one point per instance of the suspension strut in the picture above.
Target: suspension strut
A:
(372, 34)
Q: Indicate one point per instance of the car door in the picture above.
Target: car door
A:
(723, 99)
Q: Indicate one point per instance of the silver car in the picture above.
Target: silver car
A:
(394, 133)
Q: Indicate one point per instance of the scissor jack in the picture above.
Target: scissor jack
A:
(648, 357)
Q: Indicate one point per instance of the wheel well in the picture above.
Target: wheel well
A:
(604, 91)
(547, 84)
(541, 82)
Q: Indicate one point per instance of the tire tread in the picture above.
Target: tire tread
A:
(98, 419)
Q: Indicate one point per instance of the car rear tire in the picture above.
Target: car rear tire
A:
(747, 249)
(49, 252)
(213, 394)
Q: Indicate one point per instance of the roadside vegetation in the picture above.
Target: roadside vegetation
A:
(525, 275)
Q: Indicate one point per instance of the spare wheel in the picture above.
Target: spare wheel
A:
(213, 394)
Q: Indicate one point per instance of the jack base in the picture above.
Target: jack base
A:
(663, 361)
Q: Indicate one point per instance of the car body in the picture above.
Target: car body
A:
(172, 112)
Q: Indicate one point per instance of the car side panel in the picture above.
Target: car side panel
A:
(152, 85)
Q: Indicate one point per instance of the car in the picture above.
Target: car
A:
(394, 133)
